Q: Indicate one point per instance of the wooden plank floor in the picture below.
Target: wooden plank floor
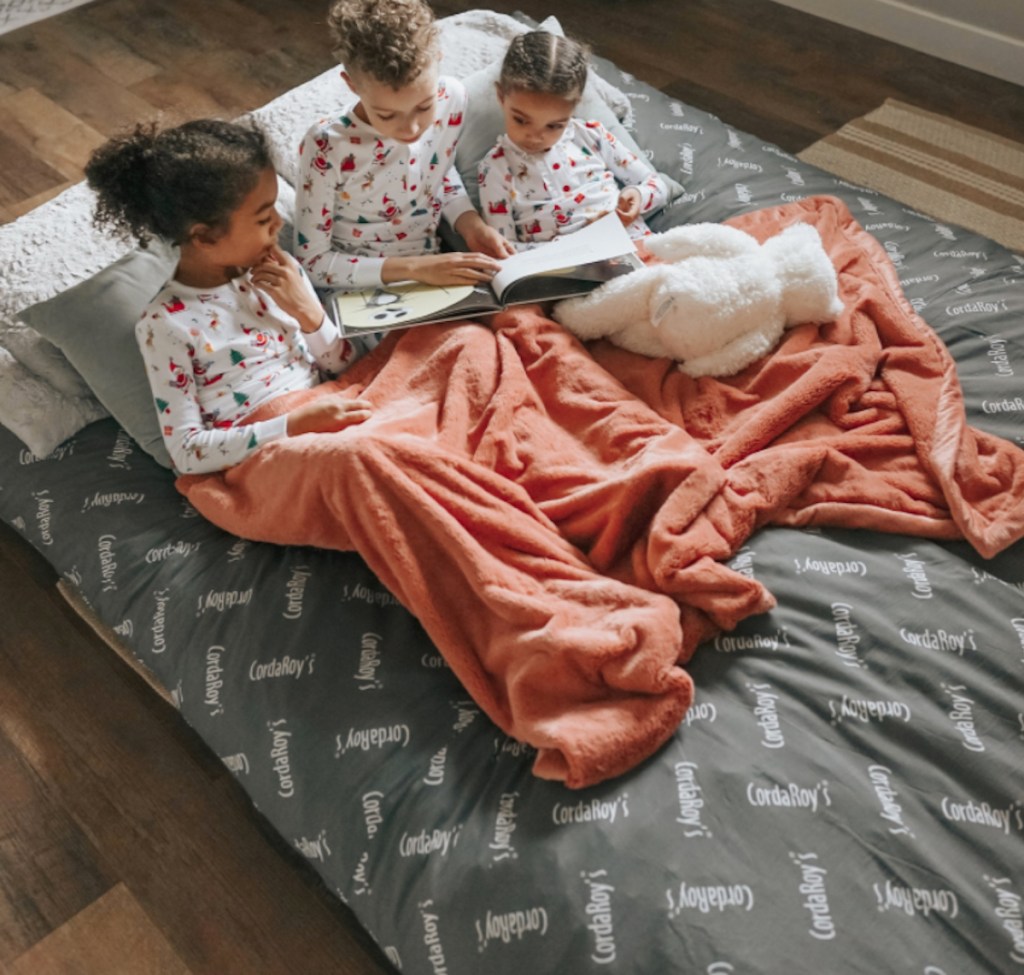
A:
(125, 846)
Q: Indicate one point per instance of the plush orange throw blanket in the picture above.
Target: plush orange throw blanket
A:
(557, 517)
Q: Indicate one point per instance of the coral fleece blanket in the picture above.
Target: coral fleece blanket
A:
(556, 517)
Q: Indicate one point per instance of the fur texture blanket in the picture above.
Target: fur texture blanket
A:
(557, 517)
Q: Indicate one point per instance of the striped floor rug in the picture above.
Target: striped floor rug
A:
(953, 172)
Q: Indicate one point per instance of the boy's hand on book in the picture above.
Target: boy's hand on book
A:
(486, 240)
(441, 269)
(328, 415)
(628, 208)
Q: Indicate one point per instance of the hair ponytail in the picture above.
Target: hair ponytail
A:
(163, 183)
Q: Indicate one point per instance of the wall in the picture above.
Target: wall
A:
(987, 35)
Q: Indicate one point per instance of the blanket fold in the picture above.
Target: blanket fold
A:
(558, 518)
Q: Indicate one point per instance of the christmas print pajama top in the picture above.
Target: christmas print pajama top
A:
(534, 197)
(362, 198)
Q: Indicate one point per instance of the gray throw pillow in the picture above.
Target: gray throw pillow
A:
(93, 324)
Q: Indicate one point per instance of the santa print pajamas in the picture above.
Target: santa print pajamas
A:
(213, 355)
(362, 198)
(534, 197)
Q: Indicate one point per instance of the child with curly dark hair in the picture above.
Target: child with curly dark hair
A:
(239, 323)
(376, 179)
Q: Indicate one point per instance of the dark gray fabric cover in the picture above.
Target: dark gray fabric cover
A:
(846, 795)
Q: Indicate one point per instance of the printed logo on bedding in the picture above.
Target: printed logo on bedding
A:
(916, 901)
(171, 549)
(812, 889)
(1018, 626)
(686, 158)
(940, 639)
(683, 127)
(743, 562)
(237, 764)
(108, 562)
(868, 205)
(433, 661)
(429, 841)
(373, 815)
(591, 810)
(369, 661)
(280, 746)
(998, 357)
(237, 551)
(829, 567)
(509, 746)
(26, 458)
(895, 254)
(847, 635)
(510, 924)
(1008, 910)
(285, 666)
(466, 712)
(743, 193)
(44, 518)
(432, 938)
(914, 570)
(295, 591)
(224, 599)
(705, 898)
(361, 875)
(1006, 405)
(438, 764)
(363, 739)
(158, 626)
(504, 826)
(984, 814)
(214, 683)
(690, 797)
(766, 714)
(727, 162)
(864, 711)
(755, 641)
(110, 498)
(892, 812)
(789, 795)
(600, 921)
(961, 713)
(314, 849)
(978, 307)
(120, 452)
(701, 711)
(961, 255)
(363, 593)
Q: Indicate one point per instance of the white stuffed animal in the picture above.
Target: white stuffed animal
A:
(720, 301)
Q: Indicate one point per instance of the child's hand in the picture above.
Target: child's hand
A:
(628, 208)
(480, 237)
(441, 269)
(278, 275)
(327, 415)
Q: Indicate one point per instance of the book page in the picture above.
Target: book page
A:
(603, 239)
(409, 303)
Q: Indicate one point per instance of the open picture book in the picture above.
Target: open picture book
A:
(563, 268)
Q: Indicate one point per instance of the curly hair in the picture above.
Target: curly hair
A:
(392, 41)
(151, 183)
(538, 61)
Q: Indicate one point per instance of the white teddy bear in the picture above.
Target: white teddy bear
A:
(720, 301)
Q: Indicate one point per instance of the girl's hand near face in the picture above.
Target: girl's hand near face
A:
(328, 415)
(278, 275)
(629, 205)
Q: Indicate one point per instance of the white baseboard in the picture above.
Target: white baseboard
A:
(996, 54)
